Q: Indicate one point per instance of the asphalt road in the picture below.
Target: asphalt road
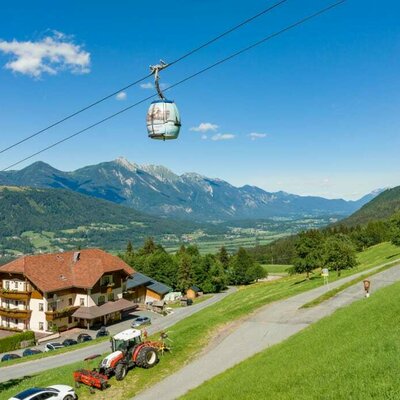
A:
(272, 324)
(158, 324)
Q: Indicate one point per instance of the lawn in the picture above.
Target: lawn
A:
(191, 335)
(353, 354)
(276, 269)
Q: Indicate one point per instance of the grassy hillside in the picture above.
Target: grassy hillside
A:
(381, 207)
(352, 354)
(45, 219)
(191, 335)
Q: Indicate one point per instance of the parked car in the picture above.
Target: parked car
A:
(53, 346)
(139, 321)
(55, 392)
(84, 337)
(102, 332)
(69, 342)
(8, 357)
(31, 352)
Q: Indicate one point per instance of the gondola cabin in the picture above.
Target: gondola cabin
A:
(163, 120)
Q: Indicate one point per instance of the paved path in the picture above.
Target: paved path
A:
(272, 324)
(33, 367)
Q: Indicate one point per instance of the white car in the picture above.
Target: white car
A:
(53, 346)
(55, 392)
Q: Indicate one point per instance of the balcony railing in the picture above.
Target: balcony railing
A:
(15, 294)
(63, 313)
(15, 313)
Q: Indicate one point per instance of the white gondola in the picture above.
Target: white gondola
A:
(163, 120)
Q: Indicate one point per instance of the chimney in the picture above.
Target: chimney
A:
(77, 256)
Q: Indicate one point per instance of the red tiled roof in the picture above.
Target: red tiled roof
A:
(51, 272)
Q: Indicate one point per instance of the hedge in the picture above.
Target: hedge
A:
(13, 342)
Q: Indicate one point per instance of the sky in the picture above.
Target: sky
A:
(314, 111)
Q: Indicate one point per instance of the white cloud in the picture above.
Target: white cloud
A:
(50, 55)
(205, 127)
(204, 137)
(121, 96)
(222, 136)
(255, 135)
(147, 85)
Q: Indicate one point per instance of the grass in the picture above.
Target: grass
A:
(367, 260)
(276, 269)
(353, 354)
(192, 334)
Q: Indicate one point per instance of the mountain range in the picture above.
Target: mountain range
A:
(382, 207)
(158, 191)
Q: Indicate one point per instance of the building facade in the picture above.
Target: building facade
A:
(43, 292)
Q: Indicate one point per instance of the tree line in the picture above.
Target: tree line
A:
(332, 247)
(210, 272)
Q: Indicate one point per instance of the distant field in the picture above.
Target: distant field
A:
(231, 245)
(353, 354)
(280, 269)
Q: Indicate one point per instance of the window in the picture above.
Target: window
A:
(106, 280)
(82, 302)
(8, 285)
(101, 300)
(111, 297)
(41, 307)
(41, 326)
(16, 284)
(70, 301)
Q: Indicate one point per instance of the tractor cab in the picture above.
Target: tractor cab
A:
(126, 340)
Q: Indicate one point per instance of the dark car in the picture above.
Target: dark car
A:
(8, 357)
(30, 352)
(102, 332)
(84, 337)
(69, 342)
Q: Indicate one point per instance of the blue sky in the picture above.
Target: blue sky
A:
(323, 99)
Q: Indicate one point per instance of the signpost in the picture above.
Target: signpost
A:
(325, 274)
(367, 286)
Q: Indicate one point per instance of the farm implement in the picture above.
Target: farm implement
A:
(128, 351)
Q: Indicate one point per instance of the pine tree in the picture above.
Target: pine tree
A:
(184, 273)
(223, 257)
(129, 249)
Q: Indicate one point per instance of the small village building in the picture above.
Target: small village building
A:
(49, 292)
(193, 292)
(142, 289)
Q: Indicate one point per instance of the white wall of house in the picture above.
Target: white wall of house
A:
(14, 284)
(38, 321)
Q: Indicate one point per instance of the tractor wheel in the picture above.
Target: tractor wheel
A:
(147, 357)
(120, 371)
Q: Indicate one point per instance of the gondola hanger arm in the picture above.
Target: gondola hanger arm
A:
(155, 70)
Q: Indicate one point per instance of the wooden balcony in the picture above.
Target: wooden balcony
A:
(15, 294)
(15, 313)
(57, 314)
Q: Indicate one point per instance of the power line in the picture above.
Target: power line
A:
(267, 38)
(74, 114)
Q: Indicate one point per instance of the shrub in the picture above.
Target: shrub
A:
(13, 342)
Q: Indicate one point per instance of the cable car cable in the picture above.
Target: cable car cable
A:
(269, 37)
(74, 114)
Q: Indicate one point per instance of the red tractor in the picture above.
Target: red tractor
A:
(129, 350)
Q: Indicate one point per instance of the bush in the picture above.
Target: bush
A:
(14, 342)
